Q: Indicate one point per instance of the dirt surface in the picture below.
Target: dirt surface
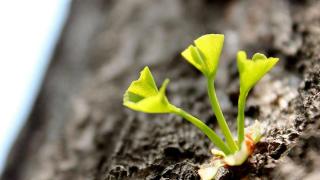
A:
(79, 129)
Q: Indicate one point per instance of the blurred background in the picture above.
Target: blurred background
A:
(65, 64)
(29, 32)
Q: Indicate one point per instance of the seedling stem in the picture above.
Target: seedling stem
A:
(240, 118)
(219, 115)
(216, 140)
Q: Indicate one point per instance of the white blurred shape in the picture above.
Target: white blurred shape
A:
(28, 33)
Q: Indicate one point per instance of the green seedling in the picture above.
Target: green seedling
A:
(143, 95)
(205, 57)
(251, 71)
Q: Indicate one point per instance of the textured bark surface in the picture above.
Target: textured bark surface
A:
(79, 129)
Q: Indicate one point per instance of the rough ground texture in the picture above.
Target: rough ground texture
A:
(79, 129)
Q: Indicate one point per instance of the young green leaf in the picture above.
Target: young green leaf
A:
(143, 95)
(205, 54)
(251, 71)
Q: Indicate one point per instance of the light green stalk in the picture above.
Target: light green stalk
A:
(240, 118)
(215, 139)
(221, 120)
